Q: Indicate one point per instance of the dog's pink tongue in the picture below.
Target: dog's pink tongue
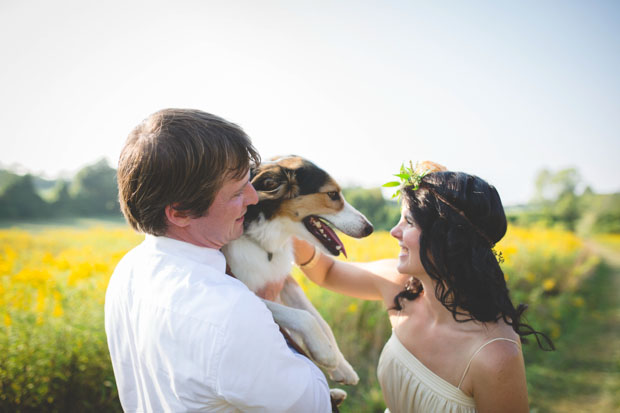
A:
(330, 232)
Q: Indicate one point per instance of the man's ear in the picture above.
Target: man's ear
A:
(177, 217)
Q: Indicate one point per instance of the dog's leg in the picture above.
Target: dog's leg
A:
(337, 396)
(305, 325)
(293, 296)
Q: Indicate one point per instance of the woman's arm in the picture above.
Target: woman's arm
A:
(499, 379)
(377, 280)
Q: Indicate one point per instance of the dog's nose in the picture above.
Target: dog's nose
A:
(368, 230)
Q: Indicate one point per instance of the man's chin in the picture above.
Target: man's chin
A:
(237, 234)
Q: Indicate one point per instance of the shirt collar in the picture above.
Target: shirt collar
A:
(203, 255)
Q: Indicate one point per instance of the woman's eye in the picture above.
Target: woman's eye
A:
(334, 196)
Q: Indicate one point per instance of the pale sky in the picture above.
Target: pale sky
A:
(499, 89)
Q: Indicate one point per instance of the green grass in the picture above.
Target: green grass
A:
(583, 374)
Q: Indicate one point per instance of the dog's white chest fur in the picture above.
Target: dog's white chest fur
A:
(263, 254)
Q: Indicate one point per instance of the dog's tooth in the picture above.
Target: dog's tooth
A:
(338, 247)
(321, 231)
(318, 224)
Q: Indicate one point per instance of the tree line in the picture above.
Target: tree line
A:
(91, 193)
(558, 200)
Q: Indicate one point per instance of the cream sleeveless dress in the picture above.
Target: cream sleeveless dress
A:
(409, 386)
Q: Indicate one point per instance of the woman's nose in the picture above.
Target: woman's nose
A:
(396, 231)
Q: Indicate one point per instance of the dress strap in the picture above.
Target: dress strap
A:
(478, 351)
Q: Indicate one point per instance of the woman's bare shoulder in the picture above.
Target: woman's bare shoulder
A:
(498, 376)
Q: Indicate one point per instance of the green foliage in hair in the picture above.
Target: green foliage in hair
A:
(409, 177)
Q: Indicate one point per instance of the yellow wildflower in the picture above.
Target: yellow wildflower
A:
(549, 284)
(578, 302)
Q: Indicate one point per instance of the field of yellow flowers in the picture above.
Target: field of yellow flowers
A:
(53, 353)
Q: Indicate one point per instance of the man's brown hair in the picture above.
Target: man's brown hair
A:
(181, 158)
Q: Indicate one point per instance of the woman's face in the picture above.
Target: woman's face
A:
(408, 235)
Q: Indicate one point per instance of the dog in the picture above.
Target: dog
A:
(295, 198)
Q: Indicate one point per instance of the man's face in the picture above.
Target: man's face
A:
(223, 221)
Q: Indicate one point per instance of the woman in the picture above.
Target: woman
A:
(456, 341)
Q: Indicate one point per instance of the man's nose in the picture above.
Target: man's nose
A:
(251, 197)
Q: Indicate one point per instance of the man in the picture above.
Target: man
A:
(183, 335)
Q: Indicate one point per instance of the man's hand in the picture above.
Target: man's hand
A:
(271, 291)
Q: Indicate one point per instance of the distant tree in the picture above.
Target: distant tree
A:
(94, 190)
(6, 179)
(556, 197)
(62, 202)
(20, 200)
(42, 184)
(382, 213)
(543, 186)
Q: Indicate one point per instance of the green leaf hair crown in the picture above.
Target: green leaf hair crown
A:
(409, 177)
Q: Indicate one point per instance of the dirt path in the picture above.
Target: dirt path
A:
(584, 373)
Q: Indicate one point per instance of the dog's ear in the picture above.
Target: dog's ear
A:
(275, 182)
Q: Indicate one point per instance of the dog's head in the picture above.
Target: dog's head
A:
(294, 189)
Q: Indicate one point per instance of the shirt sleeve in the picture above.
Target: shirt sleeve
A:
(257, 371)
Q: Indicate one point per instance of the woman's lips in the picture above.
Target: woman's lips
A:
(404, 251)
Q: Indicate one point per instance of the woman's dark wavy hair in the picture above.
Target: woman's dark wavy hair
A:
(461, 217)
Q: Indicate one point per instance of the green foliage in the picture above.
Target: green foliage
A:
(408, 176)
(6, 179)
(382, 213)
(61, 363)
(601, 213)
(557, 204)
(93, 192)
(59, 366)
(19, 200)
(582, 374)
(42, 185)
(62, 203)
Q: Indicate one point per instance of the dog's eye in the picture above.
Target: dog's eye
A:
(334, 196)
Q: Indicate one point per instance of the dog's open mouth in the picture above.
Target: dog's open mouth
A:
(324, 233)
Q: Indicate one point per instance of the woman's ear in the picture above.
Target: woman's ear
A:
(177, 217)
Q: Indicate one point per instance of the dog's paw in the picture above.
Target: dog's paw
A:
(337, 396)
(344, 373)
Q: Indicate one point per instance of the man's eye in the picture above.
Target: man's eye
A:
(334, 196)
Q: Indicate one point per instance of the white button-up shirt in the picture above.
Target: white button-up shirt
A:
(184, 336)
